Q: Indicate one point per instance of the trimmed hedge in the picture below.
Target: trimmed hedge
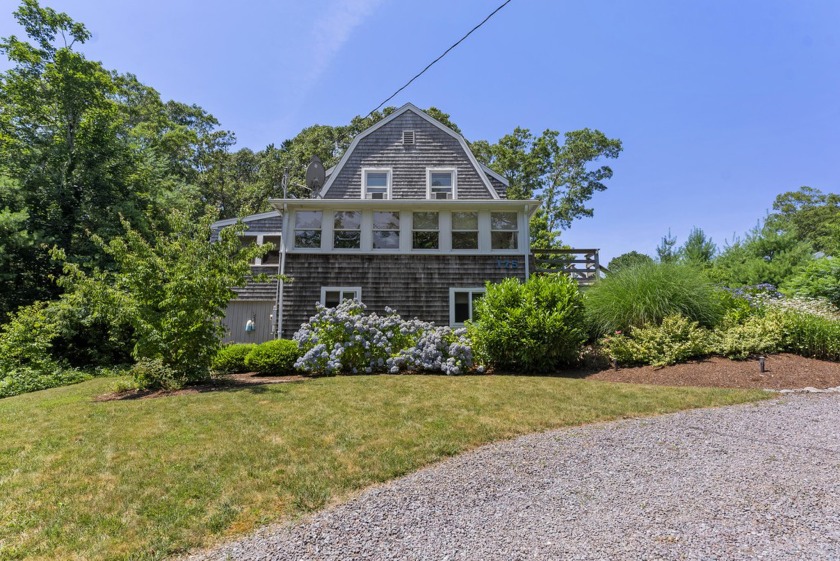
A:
(275, 358)
(231, 358)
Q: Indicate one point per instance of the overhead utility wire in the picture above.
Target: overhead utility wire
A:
(493, 13)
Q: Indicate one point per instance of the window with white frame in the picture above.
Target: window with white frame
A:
(376, 183)
(347, 229)
(461, 304)
(425, 230)
(386, 230)
(248, 241)
(464, 230)
(308, 228)
(504, 230)
(272, 257)
(440, 184)
(332, 296)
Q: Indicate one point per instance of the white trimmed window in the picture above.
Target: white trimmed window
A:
(504, 230)
(273, 256)
(386, 230)
(425, 231)
(376, 183)
(464, 230)
(440, 183)
(332, 296)
(461, 303)
(347, 229)
(308, 229)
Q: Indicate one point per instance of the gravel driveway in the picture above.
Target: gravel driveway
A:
(757, 481)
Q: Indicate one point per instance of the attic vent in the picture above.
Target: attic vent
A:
(408, 137)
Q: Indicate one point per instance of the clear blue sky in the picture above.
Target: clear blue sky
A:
(721, 104)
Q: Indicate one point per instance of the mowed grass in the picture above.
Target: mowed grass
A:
(144, 479)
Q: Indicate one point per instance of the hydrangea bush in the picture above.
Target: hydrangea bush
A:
(347, 339)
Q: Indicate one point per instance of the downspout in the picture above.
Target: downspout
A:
(528, 241)
(282, 271)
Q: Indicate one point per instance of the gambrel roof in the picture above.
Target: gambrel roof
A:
(479, 182)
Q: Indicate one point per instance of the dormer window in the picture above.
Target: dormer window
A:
(440, 184)
(376, 184)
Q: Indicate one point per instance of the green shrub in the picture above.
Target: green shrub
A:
(647, 293)
(811, 335)
(753, 335)
(230, 359)
(276, 357)
(153, 374)
(25, 379)
(675, 340)
(819, 279)
(536, 326)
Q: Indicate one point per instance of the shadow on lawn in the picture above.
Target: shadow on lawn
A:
(236, 382)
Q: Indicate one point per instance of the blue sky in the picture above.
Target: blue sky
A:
(721, 105)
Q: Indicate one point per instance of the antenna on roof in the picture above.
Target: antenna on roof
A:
(315, 175)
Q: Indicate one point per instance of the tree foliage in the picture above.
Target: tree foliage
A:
(627, 260)
(697, 249)
(812, 216)
(172, 290)
(563, 175)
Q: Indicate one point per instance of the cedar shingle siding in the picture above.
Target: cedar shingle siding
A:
(383, 148)
(413, 285)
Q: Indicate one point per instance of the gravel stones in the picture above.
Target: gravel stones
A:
(756, 481)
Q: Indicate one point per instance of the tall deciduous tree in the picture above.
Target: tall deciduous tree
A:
(563, 175)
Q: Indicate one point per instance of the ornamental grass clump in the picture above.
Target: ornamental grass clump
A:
(645, 294)
(346, 339)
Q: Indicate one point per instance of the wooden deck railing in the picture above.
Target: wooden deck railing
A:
(580, 264)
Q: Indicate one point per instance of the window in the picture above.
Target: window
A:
(464, 230)
(386, 230)
(247, 241)
(308, 228)
(441, 184)
(425, 232)
(332, 296)
(273, 256)
(376, 184)
(461, 304)
(504, 230)
(347, 229)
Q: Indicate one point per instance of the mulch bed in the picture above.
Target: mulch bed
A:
(228, 382)
(782, 371)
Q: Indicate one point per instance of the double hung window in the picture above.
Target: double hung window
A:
(386, 230)
(464, 230)
(504, 230)
(425, 230)
(376, 184)
(441, 184)
(308, 229)
(347, 229)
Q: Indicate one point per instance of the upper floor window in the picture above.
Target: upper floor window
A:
(386, 230)
(504, 231)
(376, 184)
(441, 184)
(308, 228)
(464, 230)
(425, 230)
(272, 257)
(347, 229)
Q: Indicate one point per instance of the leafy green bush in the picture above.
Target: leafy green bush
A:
(819, 279)
(740, 338)
(153, 374)
(230, 359)
(24, 379)
(276, 357)
(647, 293)
(675, 340)
(811, 335)
(536, 326)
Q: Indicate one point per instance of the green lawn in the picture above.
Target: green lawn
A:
(144, 479)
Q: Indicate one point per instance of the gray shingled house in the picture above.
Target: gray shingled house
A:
(407, 219)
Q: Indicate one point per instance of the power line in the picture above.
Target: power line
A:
(392, 96)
